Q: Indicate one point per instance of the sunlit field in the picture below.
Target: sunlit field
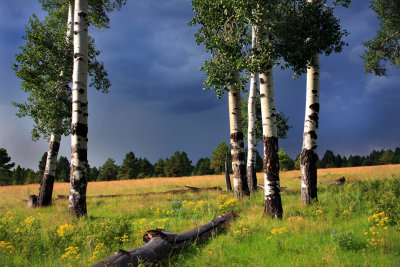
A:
(354, 224)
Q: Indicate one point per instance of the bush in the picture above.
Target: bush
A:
(346, 240)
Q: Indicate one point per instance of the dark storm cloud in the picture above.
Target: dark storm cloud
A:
(156, 104)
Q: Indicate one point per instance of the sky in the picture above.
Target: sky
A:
(156, 104)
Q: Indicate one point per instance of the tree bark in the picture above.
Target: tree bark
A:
(227, 177)
(272, 192)
(79, 125)
(309, 156)
(251, 134)
(47, 182)
(161, 243)
(240, 186)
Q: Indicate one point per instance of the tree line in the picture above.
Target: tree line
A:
(179, 165)
(330, 160)
(132, 167)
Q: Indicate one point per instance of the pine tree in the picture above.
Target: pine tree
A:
(5, 167)
(130, 167)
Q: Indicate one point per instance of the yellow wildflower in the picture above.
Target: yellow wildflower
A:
(62, 230)
(319, 212)
(6, 247)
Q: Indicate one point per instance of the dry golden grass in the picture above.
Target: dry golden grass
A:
(289, 179)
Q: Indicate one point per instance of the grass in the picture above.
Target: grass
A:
(331, 232)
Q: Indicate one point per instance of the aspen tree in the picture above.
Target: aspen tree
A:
(45, 69)
(251, 133)
(309, 154)
(47, 182)
(79, 123)
(222, 32)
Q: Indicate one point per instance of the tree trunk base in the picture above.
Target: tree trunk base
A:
(273, 207)
(32, 201)
(46, 190)
(272, 191)
(308, 161)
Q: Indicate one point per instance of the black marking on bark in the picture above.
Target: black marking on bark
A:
(239, 156)
(314, 117)
(81, 91)
(54, 147)
(273, 203)
(262, 81)
(82, 14)
(314, 91)
(308, 161)
(262, 95)
(79, 129)
(315, 107)
(84, 105)
(75, 33)
(273, 115)
(312, 134)
(237, 137)
(81, 153)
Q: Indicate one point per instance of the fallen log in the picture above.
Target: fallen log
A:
(160, 243)
(339, 181)
(176, 191)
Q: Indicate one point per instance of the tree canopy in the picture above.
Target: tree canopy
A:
(385, 45)
(45, 69)
(225, 31)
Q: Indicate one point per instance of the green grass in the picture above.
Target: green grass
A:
(330, 232)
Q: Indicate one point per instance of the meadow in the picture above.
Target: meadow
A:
(355, 224)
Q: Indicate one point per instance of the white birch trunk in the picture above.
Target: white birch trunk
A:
(309, 156)
(47, 182)
(272, 192)
(70, 22)
(251, 134)
(237, 145)
(79, 126)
